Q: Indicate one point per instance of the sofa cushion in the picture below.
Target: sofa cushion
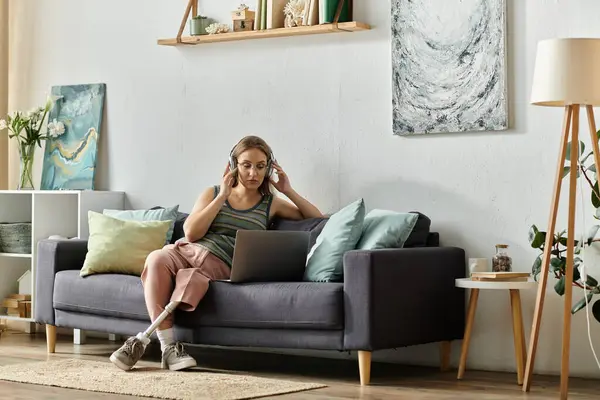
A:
(383, 229)
(340, 234)
(114, 295)
(419, 235)
(119, 246)
(161, 214)
(285, 305)
(312, 225)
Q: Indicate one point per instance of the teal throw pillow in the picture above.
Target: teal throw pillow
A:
(162, 214)
(340, 234)
(383, 229)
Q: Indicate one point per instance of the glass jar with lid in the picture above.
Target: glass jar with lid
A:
(501, 262)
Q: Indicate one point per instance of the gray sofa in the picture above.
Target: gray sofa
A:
(389, 298)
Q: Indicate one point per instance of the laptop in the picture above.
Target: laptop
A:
(269, 256)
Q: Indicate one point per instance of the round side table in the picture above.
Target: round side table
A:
(515, 300)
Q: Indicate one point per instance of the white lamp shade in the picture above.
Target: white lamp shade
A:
(567, 71)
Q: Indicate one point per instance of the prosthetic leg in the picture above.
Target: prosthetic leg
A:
(133, 349)
(163, 315)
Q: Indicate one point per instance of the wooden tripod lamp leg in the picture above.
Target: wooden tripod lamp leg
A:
(543, 278)
(568, 296)
(593, 135)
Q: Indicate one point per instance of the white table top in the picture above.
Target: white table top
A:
(467, 283)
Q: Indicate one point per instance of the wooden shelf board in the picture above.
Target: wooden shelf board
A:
(267, 33)
(11, 318)
(15, 255)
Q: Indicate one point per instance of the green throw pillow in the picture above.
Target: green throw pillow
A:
(340, 234)
(162, 214)
(384, 229)
(121, 247)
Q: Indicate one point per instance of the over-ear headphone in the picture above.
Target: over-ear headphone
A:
(270, 161)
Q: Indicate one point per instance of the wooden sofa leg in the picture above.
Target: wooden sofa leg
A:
(364, 367)
(51, 338)
(445, 351)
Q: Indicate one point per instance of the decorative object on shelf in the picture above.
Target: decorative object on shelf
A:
(214, 29)
(27, 128)
(243, 19)
(15, 237)
(501, 262)
(18, 305)
(24, 282)
(449, 66)
(198, 25)
(294, 13)
(70, 160)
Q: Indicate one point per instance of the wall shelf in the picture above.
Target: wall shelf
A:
(267, 33)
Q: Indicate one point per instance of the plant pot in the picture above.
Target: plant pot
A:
(198, 26)
(26, 155)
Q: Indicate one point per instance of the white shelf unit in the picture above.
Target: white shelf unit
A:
(63, 212)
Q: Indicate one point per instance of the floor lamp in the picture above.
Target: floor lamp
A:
(567, 74)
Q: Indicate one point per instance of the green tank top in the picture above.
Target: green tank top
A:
(220, 238)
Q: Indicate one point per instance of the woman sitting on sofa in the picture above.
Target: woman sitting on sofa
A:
(180, 273)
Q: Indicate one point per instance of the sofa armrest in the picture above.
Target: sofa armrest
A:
(54, 256)
(403, 297)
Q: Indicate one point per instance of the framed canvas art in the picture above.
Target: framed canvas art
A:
(448, 66)
(70, 159)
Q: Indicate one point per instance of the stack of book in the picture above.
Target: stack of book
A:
(501, 276)
(270, 13)
(18, 305)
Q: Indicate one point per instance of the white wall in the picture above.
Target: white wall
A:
(324, 103)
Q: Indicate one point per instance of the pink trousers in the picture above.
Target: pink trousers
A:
(179, 272)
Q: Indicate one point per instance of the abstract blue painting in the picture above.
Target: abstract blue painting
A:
(70, 159)
(448, 66)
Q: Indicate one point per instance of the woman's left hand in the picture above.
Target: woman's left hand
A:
(283, 182)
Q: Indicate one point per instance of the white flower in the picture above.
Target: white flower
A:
(56, 128)
(3, 125)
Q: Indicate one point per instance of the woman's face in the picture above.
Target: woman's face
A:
(252, 168)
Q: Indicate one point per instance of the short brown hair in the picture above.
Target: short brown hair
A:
(254, 142)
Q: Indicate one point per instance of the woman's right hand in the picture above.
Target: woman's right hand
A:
(227, 183)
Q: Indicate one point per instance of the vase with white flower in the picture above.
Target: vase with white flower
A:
(29, 130)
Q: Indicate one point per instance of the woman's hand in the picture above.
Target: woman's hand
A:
(227, 183)
(283, 184)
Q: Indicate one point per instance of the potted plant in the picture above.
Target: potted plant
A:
(198, 25)
(26, 128)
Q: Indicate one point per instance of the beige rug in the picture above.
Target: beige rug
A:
(148, 382)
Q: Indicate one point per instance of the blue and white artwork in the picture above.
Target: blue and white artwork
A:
(70, 159)
(448, 66)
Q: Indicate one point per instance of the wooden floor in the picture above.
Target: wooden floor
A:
(341, 376)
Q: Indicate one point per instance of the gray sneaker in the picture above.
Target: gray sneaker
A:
(175, 358)
(130, 353)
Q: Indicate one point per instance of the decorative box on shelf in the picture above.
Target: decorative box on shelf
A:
(243, 20)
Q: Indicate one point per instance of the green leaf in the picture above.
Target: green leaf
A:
(596, 310)
(566, 171)
(559, 287)
(581, 150)
(591, 281)
(592, 168)
(581, 304)
(595, 199)
(537, 266)
(592, 233)
(557, 264)
(576, 273)
(536, 238)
